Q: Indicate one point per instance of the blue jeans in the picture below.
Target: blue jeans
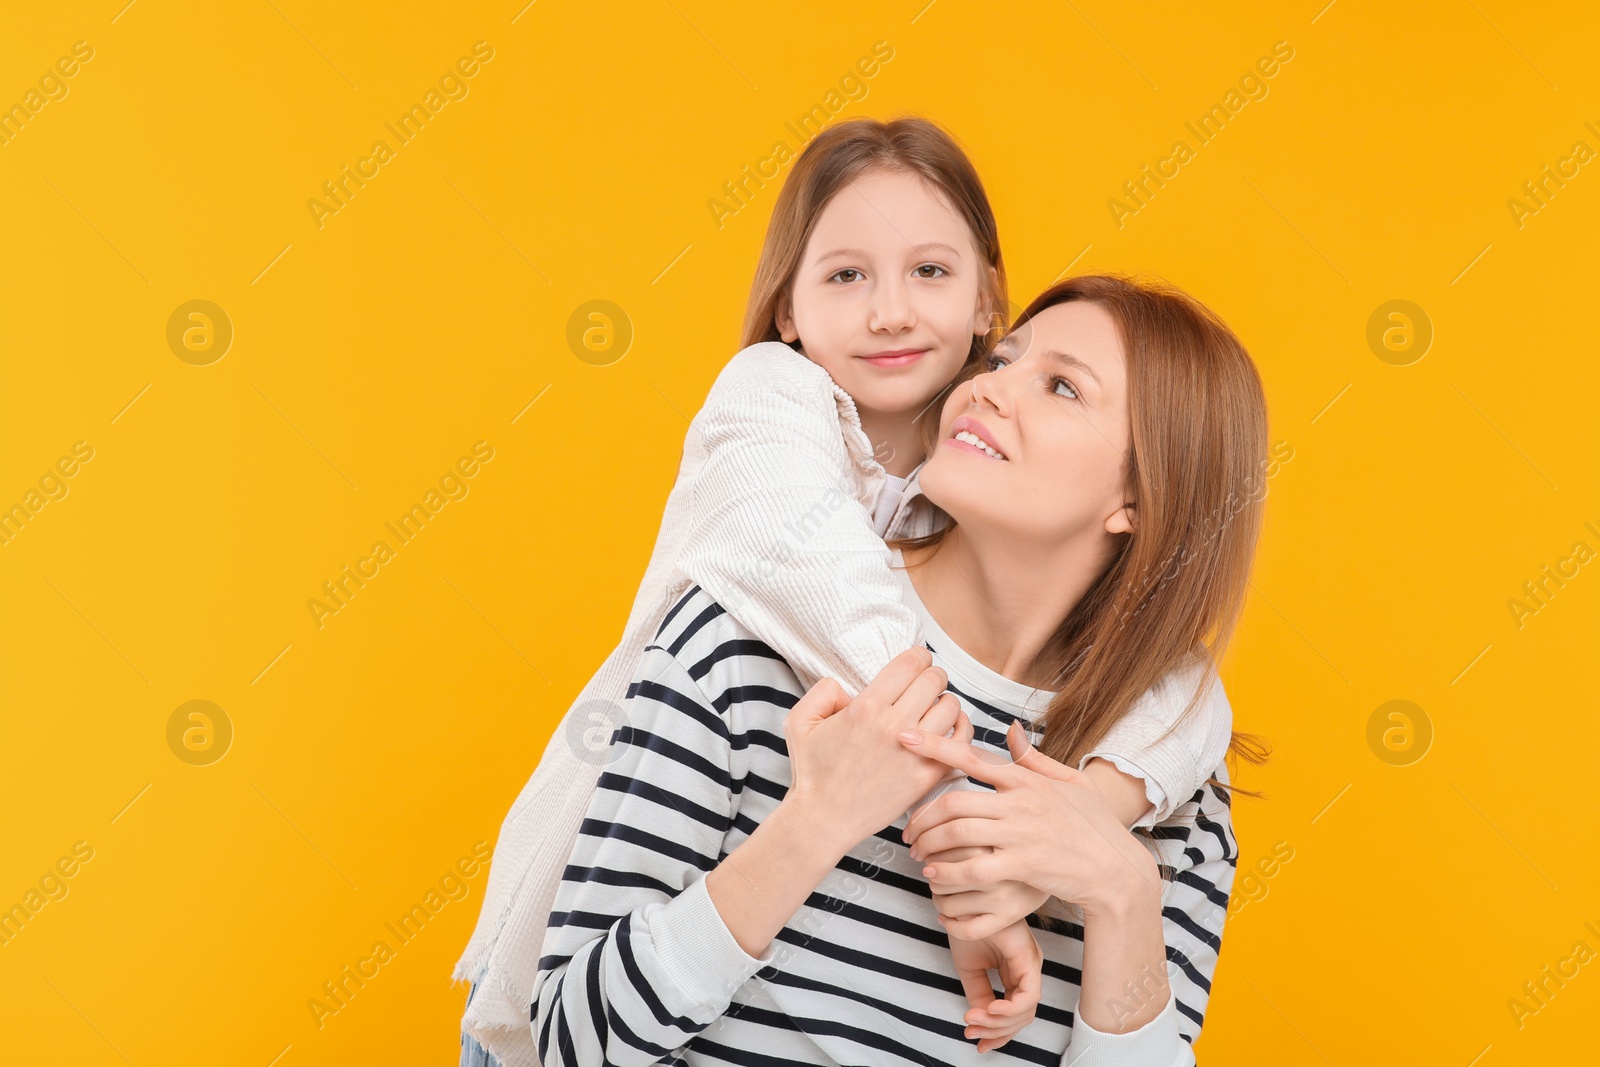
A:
(472, 1053)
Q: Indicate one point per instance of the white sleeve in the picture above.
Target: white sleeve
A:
(1173, 762)
(1157, 1044)
(777, 534)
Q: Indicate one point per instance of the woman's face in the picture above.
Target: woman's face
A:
(1055, 408)
(888, 293)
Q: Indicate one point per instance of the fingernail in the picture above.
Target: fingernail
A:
(911, 737)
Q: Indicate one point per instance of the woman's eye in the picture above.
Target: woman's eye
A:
(1057, 382)
(993, 362)
(835, 276)
(938, 270)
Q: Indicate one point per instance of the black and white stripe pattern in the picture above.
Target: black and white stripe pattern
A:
(636, 967)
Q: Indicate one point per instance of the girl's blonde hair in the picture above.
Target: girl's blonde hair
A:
(1196, 470)
(838, 156)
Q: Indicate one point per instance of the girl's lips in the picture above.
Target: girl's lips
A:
(897, 360)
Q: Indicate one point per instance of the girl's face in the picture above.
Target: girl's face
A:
(1055, 408)
(888, 294)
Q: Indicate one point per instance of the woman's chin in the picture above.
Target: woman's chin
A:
(954, 482)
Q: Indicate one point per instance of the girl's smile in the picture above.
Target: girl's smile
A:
(899, 357)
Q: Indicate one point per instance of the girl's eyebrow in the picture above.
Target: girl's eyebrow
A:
(922, 249)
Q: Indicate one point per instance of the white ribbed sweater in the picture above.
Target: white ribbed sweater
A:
(771, 514)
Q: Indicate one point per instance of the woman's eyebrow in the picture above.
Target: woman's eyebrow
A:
(1066, 359)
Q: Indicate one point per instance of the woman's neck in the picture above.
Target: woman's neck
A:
(896, 441)
(1003, 602)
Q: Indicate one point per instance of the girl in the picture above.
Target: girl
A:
(882, 266)
(740, 891)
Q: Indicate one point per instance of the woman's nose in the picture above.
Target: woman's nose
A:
(988, 388)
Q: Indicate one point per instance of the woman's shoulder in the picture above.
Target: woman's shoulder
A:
(716, 650)
(1199, 832)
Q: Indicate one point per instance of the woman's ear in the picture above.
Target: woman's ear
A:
(1124, 520)
(783, 316)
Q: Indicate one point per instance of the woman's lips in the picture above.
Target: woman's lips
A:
(965, 447)
(901, 357)
(970, 426)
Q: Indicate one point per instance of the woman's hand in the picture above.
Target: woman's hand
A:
(1047, 824)
(1014, 953)
(851, 777)
(975, 912)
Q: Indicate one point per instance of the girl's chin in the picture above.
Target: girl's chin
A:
(908, 398)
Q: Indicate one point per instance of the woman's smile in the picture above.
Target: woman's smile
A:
(970, 435)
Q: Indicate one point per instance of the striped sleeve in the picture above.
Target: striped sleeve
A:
(1198, 853)
(636, 960)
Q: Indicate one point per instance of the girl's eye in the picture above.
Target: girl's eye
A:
(940, 271)
(847, 270)
(992, 362)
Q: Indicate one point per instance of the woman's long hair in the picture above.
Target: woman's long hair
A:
(832, 160)
(1197, 470)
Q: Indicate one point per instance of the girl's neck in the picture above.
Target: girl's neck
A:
(1003, 602)
(896, 441)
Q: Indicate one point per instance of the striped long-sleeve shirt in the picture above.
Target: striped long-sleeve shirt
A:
(637, 966)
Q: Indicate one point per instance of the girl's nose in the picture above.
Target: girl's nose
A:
(891, 307)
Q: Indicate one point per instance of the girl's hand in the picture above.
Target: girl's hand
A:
(974, 912)
(1047, 824)
(851, 777)
(1014, 953)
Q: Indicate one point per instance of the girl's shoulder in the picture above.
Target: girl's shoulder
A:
(769, 391)
(772, 365)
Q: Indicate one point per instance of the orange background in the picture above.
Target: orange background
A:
(374, 347)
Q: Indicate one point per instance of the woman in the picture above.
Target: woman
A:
(741, 887)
